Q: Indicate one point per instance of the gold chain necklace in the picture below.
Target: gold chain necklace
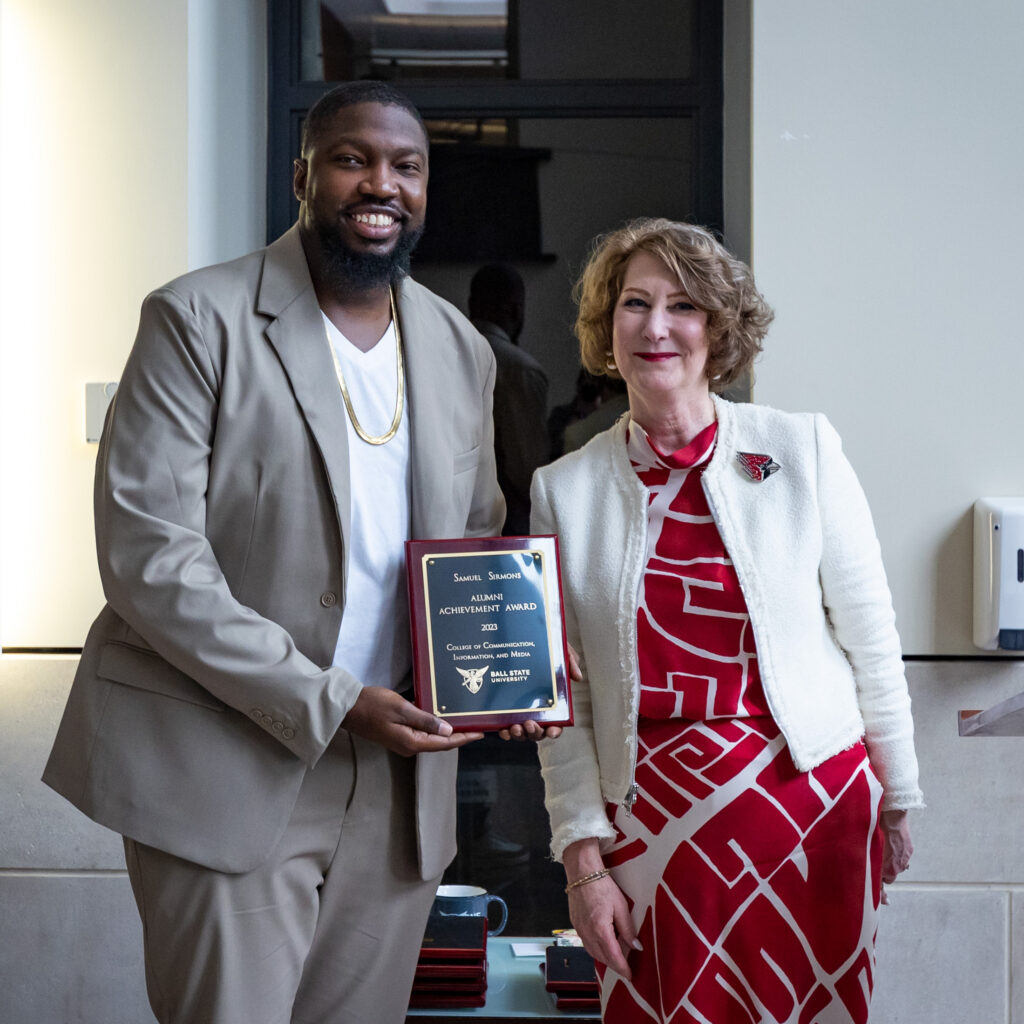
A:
(399, 400)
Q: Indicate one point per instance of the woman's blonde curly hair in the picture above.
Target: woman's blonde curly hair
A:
(713, 279)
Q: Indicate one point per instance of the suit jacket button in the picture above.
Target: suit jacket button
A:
(278, 726)
(267, 720)
(328, 599)
(288, 734)
(257, 713)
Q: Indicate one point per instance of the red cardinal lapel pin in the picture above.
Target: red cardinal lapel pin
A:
(757, 467)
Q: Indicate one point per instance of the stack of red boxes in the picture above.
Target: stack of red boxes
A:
(571, 977)
(452, 968)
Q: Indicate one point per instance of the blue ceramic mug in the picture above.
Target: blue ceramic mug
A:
(468, 901)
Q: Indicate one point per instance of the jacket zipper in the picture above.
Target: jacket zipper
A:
(631, 795)
(633, 791)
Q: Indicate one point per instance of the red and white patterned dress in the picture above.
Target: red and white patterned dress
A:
(754, 888)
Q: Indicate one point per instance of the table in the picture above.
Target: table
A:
(515, 991)
(1004, 719)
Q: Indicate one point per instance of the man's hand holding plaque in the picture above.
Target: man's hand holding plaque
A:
(489, 649)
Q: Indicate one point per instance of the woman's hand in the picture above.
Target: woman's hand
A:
(574, 664)
(598, 910)
(599, 913)
(531, 730)
(898, 846)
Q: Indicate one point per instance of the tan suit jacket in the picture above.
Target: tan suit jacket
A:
(205, 690)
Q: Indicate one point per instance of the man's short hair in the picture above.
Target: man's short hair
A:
(346, 95)
(496, 284)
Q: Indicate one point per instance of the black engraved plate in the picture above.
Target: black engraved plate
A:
(487, 630)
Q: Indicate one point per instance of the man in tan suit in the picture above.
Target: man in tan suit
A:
(284, 422)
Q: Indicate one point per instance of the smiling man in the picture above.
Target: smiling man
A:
(283, 424)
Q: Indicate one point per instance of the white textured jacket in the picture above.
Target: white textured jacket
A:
(808, 561)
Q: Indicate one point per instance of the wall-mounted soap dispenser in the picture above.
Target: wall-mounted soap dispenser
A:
(999, 574)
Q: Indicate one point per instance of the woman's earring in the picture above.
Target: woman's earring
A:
(609, 363)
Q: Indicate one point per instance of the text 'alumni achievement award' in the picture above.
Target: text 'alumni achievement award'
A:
(488, 635)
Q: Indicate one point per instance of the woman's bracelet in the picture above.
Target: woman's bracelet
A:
(592, 877)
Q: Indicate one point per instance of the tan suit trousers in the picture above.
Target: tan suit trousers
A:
(325, 932)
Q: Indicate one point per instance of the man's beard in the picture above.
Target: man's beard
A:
(351, 269)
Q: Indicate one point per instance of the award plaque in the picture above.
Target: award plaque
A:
(488, 636)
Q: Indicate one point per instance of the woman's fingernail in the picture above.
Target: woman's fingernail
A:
(637, 946)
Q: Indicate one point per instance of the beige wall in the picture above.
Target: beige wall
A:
(886, 232)
(94, 214)
(132, 142)
(132, 146)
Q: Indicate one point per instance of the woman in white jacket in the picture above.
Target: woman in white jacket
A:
(736, 787)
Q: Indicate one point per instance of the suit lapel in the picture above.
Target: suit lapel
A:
(298, 336)
(428, 360)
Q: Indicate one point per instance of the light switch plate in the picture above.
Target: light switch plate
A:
(97, 399)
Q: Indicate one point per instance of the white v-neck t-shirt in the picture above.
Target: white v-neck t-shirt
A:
(373, 643)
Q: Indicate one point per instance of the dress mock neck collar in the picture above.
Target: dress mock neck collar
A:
(643, 451)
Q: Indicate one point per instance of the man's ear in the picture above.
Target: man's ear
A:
(300, 170)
